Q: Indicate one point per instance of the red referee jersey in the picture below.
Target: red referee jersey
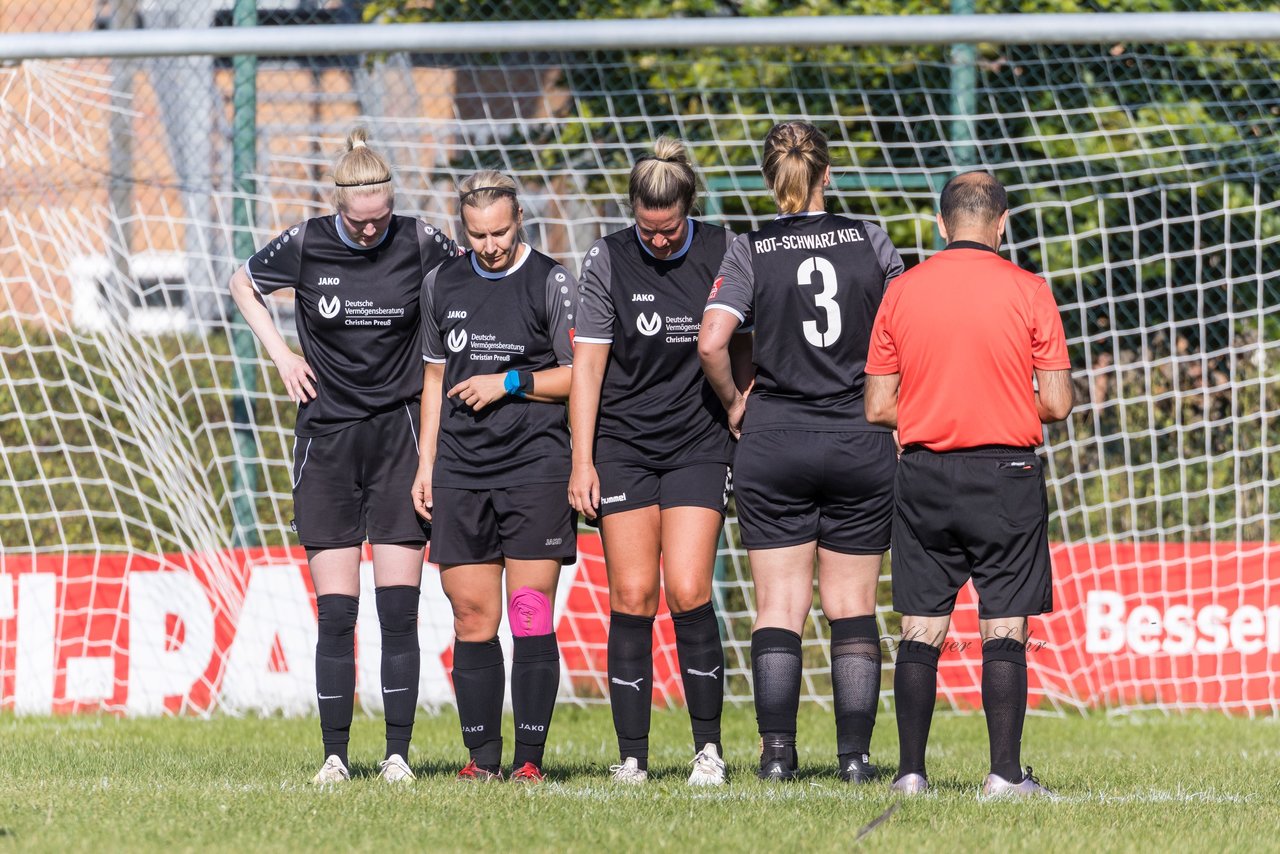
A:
(965, 330)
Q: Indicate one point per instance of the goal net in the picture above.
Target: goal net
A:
(146, 559)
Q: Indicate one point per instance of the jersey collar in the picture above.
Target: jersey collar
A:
(796, 215)
(351, 244)
(970, 244)
(688, 241)
(487, 274)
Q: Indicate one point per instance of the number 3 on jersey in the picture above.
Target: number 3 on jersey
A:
(824, 299)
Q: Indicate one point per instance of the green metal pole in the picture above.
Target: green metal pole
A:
(244, 164)
(964, 78)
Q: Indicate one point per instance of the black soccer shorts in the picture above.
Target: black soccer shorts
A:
(980, 513)
(529, 522)
(802, 486)
(357, 483)
(630, 486)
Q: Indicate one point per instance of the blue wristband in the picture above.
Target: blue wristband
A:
(511, 383)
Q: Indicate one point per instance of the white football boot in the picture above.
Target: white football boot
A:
(332, 771)
(708, 767)
(394, 769)
(629, 772)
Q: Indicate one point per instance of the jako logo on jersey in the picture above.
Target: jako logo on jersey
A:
(715, 288)
(329, 306)
(329, 280)
(554, 541)
(457, 340)
(456, 315)
(642, 297)
(479, 728)
(650, 325)
(532, 727)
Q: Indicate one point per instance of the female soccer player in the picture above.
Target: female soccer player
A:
(494, 468)
(810, 473)
(356, 278)
(652, 451)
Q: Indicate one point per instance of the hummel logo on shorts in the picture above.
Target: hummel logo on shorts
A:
(613, 499)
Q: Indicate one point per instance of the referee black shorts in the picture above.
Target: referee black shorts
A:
(980, 513)
(630, 486)
(528, 522)
(802, 486)
(357, 483)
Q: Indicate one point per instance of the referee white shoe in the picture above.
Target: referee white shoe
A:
(394, 769)
(910, 784)
(708, 768)
(996, 786)
(629, 772)
(332, 771)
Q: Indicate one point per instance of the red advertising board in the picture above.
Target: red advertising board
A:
(1169, 624)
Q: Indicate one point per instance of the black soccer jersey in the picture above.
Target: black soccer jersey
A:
(655, 405)
(357, 313)
(477, 322)
(810, 284)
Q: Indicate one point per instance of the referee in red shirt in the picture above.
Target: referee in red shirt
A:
(953, 351)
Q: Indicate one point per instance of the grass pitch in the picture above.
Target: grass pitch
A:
(1139, 783)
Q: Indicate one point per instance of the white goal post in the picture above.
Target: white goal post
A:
(146, 560)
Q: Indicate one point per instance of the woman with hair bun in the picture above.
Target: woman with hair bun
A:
(652, 451)
(498, 344)
(813, 478)
(356, 276)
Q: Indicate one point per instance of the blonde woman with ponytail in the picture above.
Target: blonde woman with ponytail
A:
(498, 346)
(813, 478)
(651, 451)
(356, 275)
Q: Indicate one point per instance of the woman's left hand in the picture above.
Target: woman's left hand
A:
(481, 390)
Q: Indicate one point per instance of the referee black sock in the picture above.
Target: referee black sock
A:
(702, 671)
(630, 667)
(401, 663)
(535, 679)
(336, 670)
(775, 672)
(855, 683)
(915, 690)
(1004, 700)
(479, 683)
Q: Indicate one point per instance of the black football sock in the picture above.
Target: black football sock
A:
(479, 683)
(336, 670)
(401, 663)
(702, 671)
(915, 690)
(775, 670)
(630, 667)
(855, 683)
(1004, 701)
(535, 679)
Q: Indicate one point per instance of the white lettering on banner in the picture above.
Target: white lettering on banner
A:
(8, 610)
(276, 607)
(90, 678)
(37, 603)
(1178, 630)
(156, 673)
